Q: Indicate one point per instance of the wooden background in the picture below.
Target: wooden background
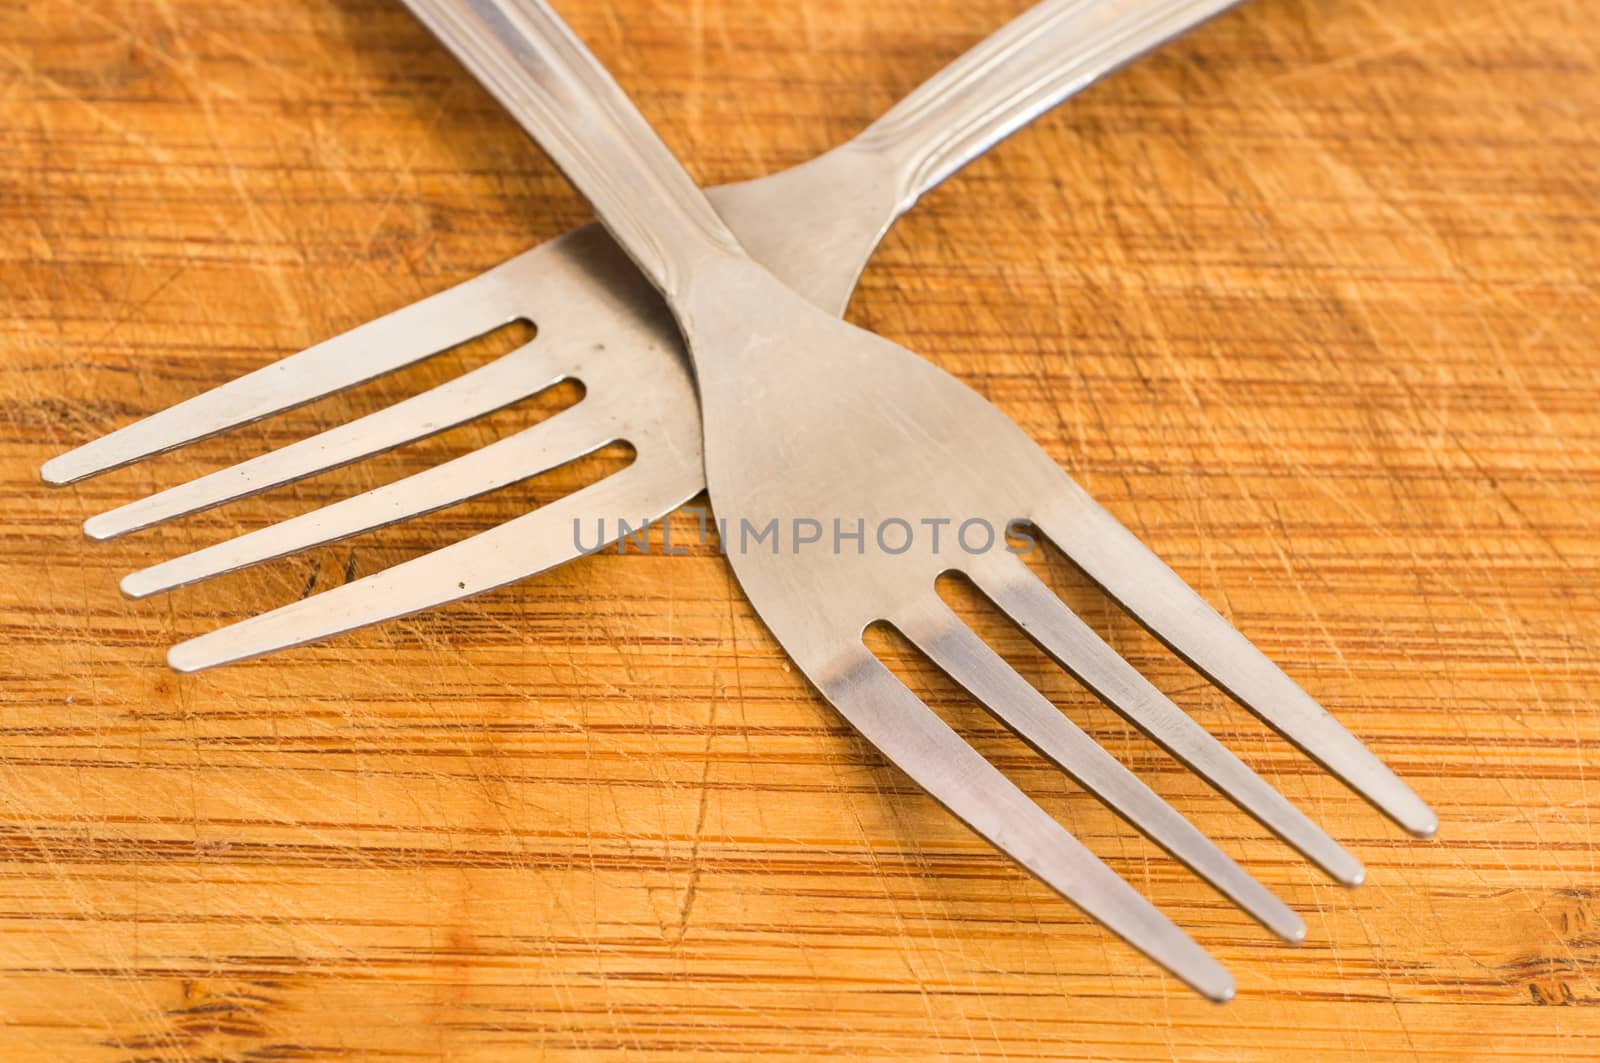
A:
(1309, 301)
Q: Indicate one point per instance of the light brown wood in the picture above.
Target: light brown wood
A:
(1308, 300)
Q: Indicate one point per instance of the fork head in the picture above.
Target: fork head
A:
(909, 473)
(870, 437)
(598, 323)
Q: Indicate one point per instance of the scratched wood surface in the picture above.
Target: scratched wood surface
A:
(1309, 301)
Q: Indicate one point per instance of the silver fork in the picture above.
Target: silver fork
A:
(509, 552)
(806, 414)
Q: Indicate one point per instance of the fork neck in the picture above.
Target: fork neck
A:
(1053, 50)
(558, 91)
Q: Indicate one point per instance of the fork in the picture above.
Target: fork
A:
(528, 545)
(1003, 94)
(804, 413)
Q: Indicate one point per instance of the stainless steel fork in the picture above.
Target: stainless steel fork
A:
(903, 155)
(806, 415)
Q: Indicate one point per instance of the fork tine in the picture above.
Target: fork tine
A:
(967, 659)
(1169, 608)
(407, 335)
(913, 737)
(1007, 582)
(523, 372)
(563, 437)
(527, 545)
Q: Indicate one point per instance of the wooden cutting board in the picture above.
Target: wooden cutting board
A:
(1309, 301)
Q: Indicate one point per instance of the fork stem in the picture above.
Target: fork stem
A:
(1050, 52)
(549, 81)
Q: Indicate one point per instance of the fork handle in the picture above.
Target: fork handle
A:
(560, 93)
(1050, 52)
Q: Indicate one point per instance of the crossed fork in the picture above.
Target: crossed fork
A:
(804, 417)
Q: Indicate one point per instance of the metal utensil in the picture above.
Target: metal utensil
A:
(598, 294)
(804, 414)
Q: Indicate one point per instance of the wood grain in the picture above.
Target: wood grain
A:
(1308, 300)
